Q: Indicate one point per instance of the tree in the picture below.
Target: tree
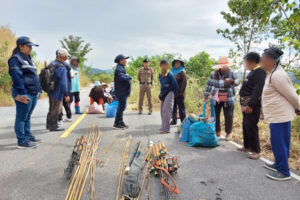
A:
(76, 47)
(249, 21)
(200, 66)
(286, 28)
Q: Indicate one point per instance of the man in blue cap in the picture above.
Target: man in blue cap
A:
(122, 89)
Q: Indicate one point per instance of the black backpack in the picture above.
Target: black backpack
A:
(47, 78)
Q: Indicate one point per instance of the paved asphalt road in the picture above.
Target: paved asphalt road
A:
(220, 173)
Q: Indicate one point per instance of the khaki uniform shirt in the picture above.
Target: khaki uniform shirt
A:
(145, 76)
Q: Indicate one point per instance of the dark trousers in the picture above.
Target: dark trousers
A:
(280, 142)
(76, 96)
(67, 109)
(122, 106)
(179, 102)
(55, 108)
(228, 115)
(250, 130)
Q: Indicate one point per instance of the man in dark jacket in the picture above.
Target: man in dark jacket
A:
(61, 89)
(122, 83)
(250, 94)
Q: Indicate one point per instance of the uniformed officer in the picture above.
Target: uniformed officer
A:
(145, 77)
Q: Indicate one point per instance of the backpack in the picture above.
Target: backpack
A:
(47, 78)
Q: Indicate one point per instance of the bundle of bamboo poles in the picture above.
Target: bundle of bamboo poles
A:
(86, 166)
(123, 164)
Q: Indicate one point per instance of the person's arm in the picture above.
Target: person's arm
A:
(61, 73)
(209, 85)
(283, 85)
(236, 81)
(16, 74)
(152, 76)
(183, 84)
(259, 81)
(139, 76)
(91, 101)
(123, 76)
(174, 84)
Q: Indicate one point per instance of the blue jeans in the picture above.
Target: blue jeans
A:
(280, 142)
(122, 106)
(23, 114)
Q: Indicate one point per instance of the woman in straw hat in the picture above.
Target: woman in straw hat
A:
(221, 87)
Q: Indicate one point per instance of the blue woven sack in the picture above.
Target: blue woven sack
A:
(111, 109)
(186, 130)
(203, 133)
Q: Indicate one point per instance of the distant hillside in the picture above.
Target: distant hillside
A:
(94, 70)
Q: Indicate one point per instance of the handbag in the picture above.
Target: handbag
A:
(223, 95)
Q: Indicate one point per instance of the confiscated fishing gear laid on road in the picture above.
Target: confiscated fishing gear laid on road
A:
(86, 166)
(164, 167)
(75, 156)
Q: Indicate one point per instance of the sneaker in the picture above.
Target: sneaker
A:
(28, 145)
(277, 176)
(34, 139)
(118, 126)
(124, 125)
(140, 112)
(68, 120)
(173, 122)
(228, 137)
(149, 113)
(60, 122)
(270, 167)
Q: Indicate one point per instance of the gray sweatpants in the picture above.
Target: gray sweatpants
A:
(166, 111)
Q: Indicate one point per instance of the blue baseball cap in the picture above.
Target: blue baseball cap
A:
(120, 57)
(25, 40)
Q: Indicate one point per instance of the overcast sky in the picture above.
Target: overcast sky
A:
(131, 27)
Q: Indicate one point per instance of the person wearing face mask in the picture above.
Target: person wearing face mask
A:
(25, 90)
(280, 103)
(180, 76)
(250, 99)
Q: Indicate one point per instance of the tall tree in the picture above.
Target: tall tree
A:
(286, 28)
(76, 47)
(249, 21)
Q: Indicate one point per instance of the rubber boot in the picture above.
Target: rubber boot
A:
(77, 110)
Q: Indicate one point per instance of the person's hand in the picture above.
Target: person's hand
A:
(248, 110)
(67, 99)
(228, 81)
(39, 96)
(22, 99)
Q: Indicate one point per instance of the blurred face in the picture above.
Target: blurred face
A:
(123, 62)
(225, 69)
(146, 64)
(75, 62)
(164, 67)
(250, 64)
(177, 64)
(25, 49)
(64, 59)
(267, 63)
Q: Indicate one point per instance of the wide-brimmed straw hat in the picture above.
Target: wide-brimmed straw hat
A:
(104, 85)
(223, 61)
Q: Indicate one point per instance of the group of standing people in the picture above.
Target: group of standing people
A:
(26, 89)
(267, 91)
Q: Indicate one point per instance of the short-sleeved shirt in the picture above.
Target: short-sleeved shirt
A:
(75, 83)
